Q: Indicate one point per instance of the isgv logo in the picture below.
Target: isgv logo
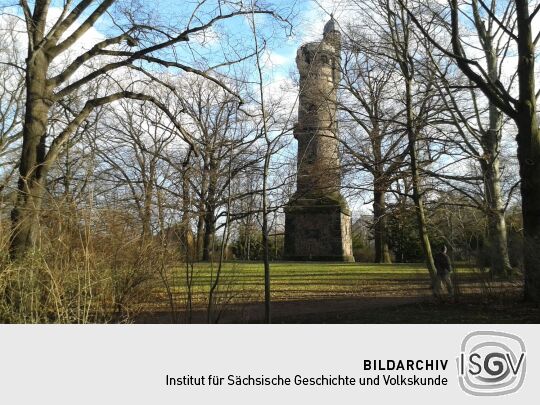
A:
(491, 363)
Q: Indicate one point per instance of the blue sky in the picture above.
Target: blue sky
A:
(229, 36)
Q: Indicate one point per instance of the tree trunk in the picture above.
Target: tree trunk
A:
(25, 219)
(500, 261)
(209, 233)
(200, 233)
(185, 226)
(25, 216)
(248, 245)
(528, 140)
(415, 177)
(148, 186)
(529, 162)
(421, 218)
(382, 254)
(266, 245)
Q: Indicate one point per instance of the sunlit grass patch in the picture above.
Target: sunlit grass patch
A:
(243, 282)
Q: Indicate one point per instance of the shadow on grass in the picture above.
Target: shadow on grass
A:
(376, 310)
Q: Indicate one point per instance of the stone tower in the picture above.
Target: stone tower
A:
(317, 218)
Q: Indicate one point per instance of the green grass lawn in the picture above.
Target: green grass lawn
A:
(343, 292)
(242, 282)
(299, 281)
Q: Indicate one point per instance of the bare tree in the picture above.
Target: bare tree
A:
(518, 104)
(477, 133)
(215, 123)
(371, 136)
(133, 44)
(133, 137)
(11, 97)
(418, 98)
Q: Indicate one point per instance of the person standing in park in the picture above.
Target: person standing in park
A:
(444, 272)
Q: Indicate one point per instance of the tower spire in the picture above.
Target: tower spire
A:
(331, 25)
(331, 34)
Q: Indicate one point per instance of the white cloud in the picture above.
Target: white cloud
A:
(83, 44)
(275, 59)
(207, 38)
(282, 90)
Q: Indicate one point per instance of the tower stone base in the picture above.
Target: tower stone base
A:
(318, 229)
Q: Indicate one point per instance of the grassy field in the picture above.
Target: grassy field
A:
(338, 292)
(300, 281)
(309, 280)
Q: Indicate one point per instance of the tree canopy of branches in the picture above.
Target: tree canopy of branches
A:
(134, 43)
